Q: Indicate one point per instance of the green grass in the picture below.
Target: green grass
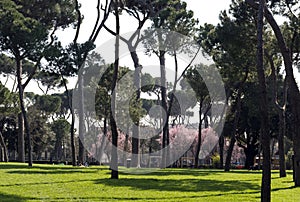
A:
(65, 183)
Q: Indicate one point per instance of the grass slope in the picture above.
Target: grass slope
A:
(65, 183)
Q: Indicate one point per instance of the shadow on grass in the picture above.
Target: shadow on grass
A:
(43, 183)
(186, 185)
(181, 171)
(57, 171)
(13, 166)
(10, 198)
(49, 169)
(284, 188)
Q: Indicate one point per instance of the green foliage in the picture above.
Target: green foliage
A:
(7, 101)
(61, 128)
(48, 103)
(216, 160)
(41, 133)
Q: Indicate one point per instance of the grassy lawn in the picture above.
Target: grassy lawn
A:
(65, 183)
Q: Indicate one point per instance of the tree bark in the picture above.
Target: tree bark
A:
(136, 127)
(114, 130)
(281, 147)
(281, 112)
(103, 140)
(21, 143)
(266, 173)
(164, 104)
(233, 134)
(81, 150)
(72, 128)
(4, 148)
(221, 147)
(199, 135)
(22, 105)
(250, 155)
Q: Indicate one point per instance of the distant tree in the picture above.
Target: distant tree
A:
(203, 98)
(7, 111)
(231, 45)
(61, 128)
(24, 32)
(173, 17)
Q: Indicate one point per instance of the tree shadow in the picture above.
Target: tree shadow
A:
(182, 185)
(11, 198)
(181, 171)
(166, 172)
(42, 183)
(57, 171)
(12, 166)
(47, 166)
(42, 169)
(284, 188)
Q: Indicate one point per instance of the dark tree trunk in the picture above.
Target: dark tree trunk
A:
(4, 148)
(221, 147)
(282, 125)
(229, 154)
(199, 135)
(281, 112)
(234, 128)
(114, 130)
(136, 127)
(266, 173)
(21, 143)
(250, 153)
(72, 128)
(164, 104)
(103, 140)
(23, 110)
(81, 150)
(125, 149)
(72, 132)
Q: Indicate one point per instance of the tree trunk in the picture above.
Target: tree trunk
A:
(281, 149)
(23, 110)
(221, 147)
(136, 127)
(21, 143)
(266, 173)
(103, 140)
(125, 149)
(4, 148)
(281, 112)
(235, 125)
(72, 128)
(199, 135)
(229, 154)
(81, 150)
(164, 104)
(250, 155)
(114, 130)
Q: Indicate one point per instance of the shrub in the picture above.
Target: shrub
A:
(216, 160)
